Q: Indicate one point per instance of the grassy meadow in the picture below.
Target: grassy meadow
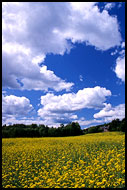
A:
(87, 161)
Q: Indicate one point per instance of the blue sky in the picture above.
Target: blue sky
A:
(63, 62)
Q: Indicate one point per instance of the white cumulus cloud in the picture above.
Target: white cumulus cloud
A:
(15, 106)
(61, 108)
(120, 67)
(46, 79)
(31, 30)
(123, 45)
(108, 113)
(88, 123)
(23, 120)
(109, 6)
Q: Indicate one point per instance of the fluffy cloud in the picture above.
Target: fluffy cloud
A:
(108, 113)
(13, 106)
(23, 120)
(61, 109)
(109, 6)
(91, 32)
(32, 30)
(21, 71)
(86, 98)
(46, 79)
(123, 45)
(120, 67)
(120, 62)
(88, 123)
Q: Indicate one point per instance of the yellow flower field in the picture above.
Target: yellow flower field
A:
(87, 161)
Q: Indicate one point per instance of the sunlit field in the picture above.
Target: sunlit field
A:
(88, 161)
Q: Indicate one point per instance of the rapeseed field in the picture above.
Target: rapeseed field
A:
(88, 161)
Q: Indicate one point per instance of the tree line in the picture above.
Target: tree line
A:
(71, 129)
(115, 125)
(34, 130)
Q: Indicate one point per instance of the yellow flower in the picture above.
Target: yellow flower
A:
(83, 185)
(76, 186)
(95, 160)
